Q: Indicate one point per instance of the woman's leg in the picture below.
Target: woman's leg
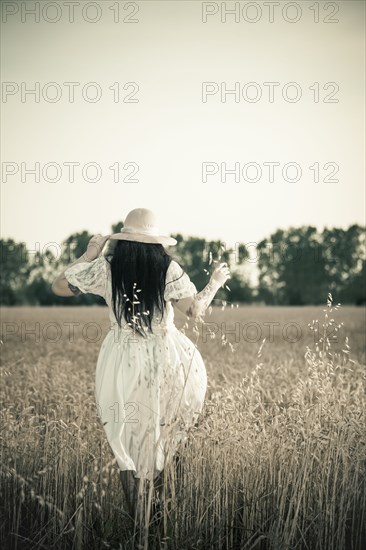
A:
(178, 465)
(159, 484)
(130, 486)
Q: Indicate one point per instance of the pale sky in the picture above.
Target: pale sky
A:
(170, 132)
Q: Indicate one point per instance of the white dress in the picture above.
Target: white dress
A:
(148, 390)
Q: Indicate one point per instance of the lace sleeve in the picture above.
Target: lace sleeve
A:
(88, 277)
(178, 285)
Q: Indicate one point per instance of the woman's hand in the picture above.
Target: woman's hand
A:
(221, 274)
(95, 247)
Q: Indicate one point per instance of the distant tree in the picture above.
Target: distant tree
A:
(292, 267)
(354, 291)
(296, 266)
(300, 266)
(269, 266)
(38, 290)
(116, 227)
(344, 251)
(15, 270)
(240, 289)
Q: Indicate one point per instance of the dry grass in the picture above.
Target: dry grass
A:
(277, 460)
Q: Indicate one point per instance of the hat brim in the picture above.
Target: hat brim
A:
(140, 238)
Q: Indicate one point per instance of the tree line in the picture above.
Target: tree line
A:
(296, 266)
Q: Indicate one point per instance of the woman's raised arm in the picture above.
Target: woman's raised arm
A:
(60, 285)
(195, 307)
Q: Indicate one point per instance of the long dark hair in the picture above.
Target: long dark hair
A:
(138, 275)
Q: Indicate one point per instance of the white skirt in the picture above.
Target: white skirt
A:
(148, 392)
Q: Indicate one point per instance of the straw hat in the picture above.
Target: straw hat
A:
(140, 226)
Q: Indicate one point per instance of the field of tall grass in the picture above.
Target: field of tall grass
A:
(276, 461)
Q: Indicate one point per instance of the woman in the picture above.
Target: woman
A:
(151, 380)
